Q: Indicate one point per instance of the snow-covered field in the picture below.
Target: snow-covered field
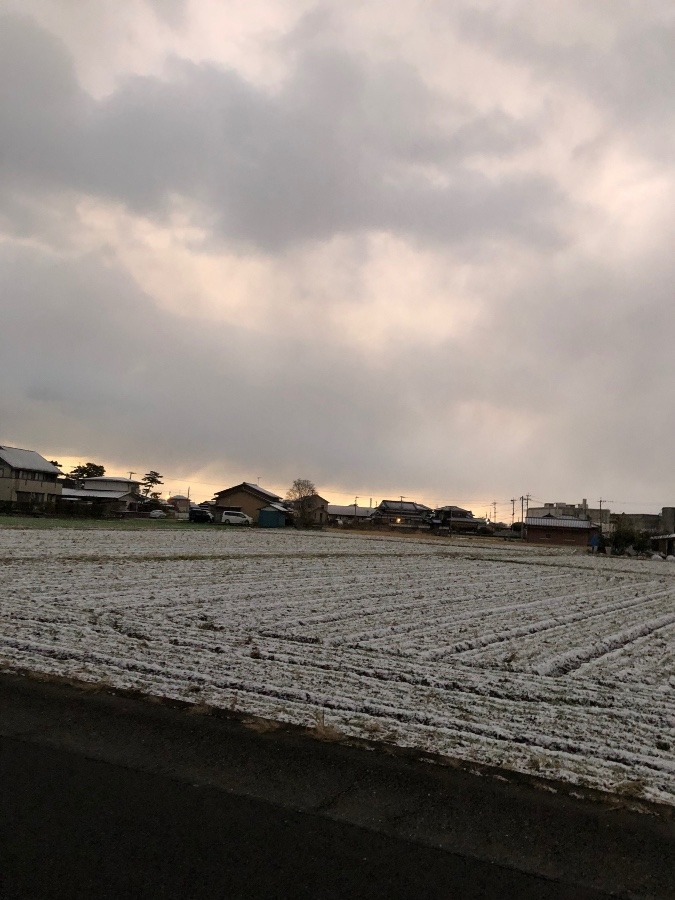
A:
(541, 661)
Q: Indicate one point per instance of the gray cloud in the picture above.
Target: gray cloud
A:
(341, 147)
(560, 384)
(628, 76)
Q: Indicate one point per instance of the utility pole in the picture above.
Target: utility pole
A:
(494, 511)
(513, 510)
(601, 501)
(523, 513)
(356, 500)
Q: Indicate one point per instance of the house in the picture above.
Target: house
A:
(402, 513)
(559, 530)
(111, 483)
(107, 494)
(27, 479)
(181, 504)
(457, 519)
(602, 516)
(311, 510)
(348, 515)
(250, 499)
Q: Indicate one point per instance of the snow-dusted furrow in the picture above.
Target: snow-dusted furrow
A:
(536, 660)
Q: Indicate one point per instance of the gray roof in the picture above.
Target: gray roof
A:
(362, 512)
(78, 494)
(408, 506)
(256, 487)
(558, 522)
(27, 459)
(253, 488)
(106, 479)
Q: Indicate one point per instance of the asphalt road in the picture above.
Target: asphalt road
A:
(106, 796)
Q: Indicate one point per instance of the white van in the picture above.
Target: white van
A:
(230, 517)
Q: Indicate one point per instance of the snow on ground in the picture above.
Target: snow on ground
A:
(542, 661)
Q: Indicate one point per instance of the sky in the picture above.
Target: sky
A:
(421, 249)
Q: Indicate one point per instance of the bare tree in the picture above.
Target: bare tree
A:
(300, 495)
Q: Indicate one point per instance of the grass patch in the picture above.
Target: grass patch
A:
(47, 522)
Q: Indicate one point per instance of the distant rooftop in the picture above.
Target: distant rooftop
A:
(558, 522)
(403, 506)
(109, 478)
(360, 512)
(27, 459)
(81, 494)
(253, 488)
(256, 487)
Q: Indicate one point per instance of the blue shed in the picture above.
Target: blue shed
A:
(271, 517)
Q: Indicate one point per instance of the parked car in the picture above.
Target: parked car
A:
(157, 514)
(232, 517)
(199, 514)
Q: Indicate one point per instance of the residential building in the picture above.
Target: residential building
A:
(456, 519)
(248, 498)
(27, 479)
(180, 503)
(601, 516)
(349, 515)
(559, 530)
(402, 513)
(111, 483)
(108, 493)
(313, 510)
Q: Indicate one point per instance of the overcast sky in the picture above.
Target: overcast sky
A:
(412, 248)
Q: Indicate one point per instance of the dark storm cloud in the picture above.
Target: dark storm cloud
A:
(342, 146)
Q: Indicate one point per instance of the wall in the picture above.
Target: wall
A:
(559, 537)
(10, 485)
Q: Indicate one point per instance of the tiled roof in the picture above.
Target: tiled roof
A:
(558, 522)
(252, 488)
(256, 487)
(77, 494)
(405, 506)
(27, 459)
